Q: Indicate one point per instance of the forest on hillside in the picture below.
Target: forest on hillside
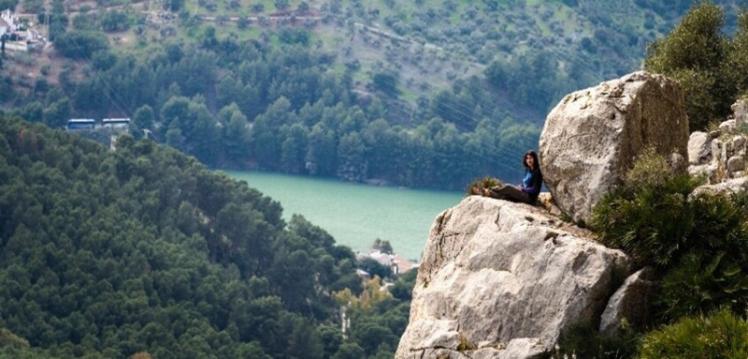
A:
(144, 250)
(277, 95)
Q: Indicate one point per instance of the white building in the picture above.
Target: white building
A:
(396, 263)
(4, 27)
(25, 38)
(8, 22)
(116, 123)
(78, 124)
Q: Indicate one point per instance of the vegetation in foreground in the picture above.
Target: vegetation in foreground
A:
(722, 334)
(698, 243)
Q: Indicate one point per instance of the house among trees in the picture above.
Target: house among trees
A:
(18, 35)
(397, 264)
(81, 124)
(4, 27)
(8, 22)
(116, 123)
(107, 124)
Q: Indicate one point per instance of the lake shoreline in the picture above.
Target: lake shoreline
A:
(356, 214)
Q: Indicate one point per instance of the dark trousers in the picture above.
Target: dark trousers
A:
(510, 193)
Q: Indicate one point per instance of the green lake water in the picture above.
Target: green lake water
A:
(357, 214)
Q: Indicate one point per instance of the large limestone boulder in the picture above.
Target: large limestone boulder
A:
(592, 136)
(503, 280)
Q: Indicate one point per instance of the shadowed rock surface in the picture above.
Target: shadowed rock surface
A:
(630, 303)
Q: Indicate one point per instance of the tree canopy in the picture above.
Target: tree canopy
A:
(110, 253)
(708, 64)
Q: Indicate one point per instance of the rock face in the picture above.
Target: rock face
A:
(631, 302)
(733, 185)
(720, 155)
(740, 111)
(592, 136)
(699, 148)
(503, 280)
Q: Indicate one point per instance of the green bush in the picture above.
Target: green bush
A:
(114, 21)
(81, 44)
(709, 66)
(649, 216)
(720, 335)
(700, 245)
(699, 283)
(712, 273)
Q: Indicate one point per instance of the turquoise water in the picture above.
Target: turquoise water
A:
(357, 214)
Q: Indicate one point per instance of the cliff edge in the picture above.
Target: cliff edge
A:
(504, 280)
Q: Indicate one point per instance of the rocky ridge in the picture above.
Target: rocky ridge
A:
(505, 280)
(719, 155)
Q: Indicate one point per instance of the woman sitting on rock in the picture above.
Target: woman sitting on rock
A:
(529, 190)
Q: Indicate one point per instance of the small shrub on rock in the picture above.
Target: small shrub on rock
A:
(477, 186)
(699, 283)
(711, 274)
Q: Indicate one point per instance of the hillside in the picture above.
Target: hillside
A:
(537, 50)
(106, 254)
(426, 45)
(377, 91)
(142, 250)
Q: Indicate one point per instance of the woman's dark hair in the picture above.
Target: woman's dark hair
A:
(534, 158)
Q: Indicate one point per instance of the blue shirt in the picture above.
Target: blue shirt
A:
(532, 182)
(527, 181)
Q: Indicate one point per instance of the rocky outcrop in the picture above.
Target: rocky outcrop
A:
(503, 280)
(631, 303)
(591, 138)
(720, 155)
(733, 185)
